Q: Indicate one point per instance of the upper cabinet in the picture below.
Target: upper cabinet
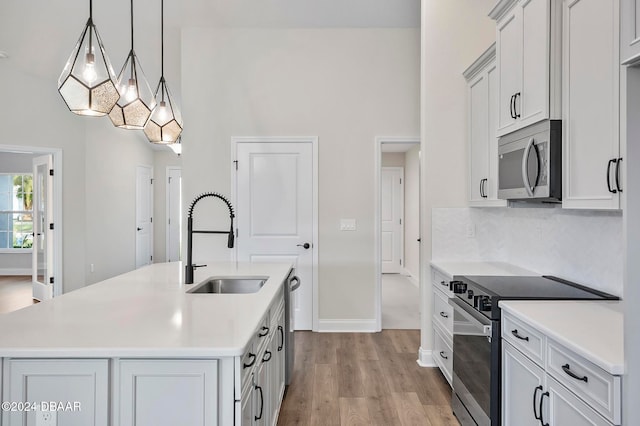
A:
(528, 62)
(591, 105)
(630, 45)
(482, 91)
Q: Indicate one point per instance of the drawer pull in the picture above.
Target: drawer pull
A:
(252, 357)
(442, 354)
(444, 283)
(267, 356)
(265, 331)
(444, 315)
(515, 333)
(570, 373)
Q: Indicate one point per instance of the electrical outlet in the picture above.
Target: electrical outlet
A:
(46, 418)
(347, 224)
(471, 230)
(91, 268)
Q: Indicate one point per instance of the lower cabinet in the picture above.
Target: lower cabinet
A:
(79, 388)
(559, 388)
(168, 392)
(442, 323)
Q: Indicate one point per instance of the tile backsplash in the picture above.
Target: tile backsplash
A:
(582, 246)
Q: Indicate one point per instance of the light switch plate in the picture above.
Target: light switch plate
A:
(46, 418)
(347, 224)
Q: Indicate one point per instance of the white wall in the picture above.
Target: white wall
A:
(343, 85)
(454, 34)
(392, 159)
(412, 211)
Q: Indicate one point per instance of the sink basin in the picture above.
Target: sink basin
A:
(229, 285)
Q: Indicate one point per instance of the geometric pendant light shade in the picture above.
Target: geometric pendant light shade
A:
(165, 124)
(87, 83)
(136, 102)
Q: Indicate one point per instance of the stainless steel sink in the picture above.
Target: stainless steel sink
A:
(229, 285)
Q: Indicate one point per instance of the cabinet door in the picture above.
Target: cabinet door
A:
(478, 136)
(261, 396)
(248, 403)
(509, 61)
(82, 382)
(564, 408)
(533, 103)
(630, 15)
(278, 369)
(168, 392)
(522, 388)
(591, 90)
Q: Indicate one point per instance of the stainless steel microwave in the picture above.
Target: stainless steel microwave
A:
(530, 163)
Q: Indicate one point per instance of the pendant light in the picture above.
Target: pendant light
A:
(87, 83)
(136, 101)
(165, 124)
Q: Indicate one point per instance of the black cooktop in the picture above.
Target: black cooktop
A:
(474, 288)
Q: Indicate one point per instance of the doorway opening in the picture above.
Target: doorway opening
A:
(398, 233)
(30, 225)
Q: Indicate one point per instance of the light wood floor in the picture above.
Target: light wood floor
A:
(15, 293)
(364, 379)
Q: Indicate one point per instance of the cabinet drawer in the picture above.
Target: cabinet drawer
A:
(567, 409)
(443, 312)
(441, 281)
(527, 339)
(598, 388)
(443, 355)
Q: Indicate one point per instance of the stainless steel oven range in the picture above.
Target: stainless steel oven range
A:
(476, 398)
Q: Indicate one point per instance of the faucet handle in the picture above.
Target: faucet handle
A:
(197, 266)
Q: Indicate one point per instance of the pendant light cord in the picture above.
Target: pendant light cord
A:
(162, 39)
(131, 24)
(91, 10)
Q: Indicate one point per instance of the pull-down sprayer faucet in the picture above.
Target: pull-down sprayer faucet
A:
(188, 274)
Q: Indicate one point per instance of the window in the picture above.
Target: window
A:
(16, 211)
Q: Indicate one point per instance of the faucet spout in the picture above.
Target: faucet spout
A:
(190, 267)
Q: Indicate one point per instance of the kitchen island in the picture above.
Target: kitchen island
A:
(137, 349)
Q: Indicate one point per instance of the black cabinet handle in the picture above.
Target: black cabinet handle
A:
(253, 361)
(612, 161)
(281, 345)
(444, 315)
(535, 393)
(511, 107)
(515, 333)
(567, 369)
(515, 107)
(259, 416)
(267, 356)
(442, 354)
(264, 332)
(618, 174)
(483, 184)
(542, 399)
(443, 283)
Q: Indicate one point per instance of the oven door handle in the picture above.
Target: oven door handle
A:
(471, 314)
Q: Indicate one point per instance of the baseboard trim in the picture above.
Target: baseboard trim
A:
(347, 326)
(15, 271)
(425, 358)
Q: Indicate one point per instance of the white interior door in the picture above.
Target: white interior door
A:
(274, 191)
(174, 216)
(43, 228)
(144, 216)
(392, 199)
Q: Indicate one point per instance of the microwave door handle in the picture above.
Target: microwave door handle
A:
(525, 173)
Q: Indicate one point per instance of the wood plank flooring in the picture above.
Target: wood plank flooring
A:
(15, 293)
(364, 379)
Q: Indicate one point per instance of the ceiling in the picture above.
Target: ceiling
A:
(398, 147)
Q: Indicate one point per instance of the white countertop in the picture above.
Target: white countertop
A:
(480, 268)
(594, 330)
(144, 313)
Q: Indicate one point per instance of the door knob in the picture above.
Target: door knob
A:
(305, 245)
(139, 229)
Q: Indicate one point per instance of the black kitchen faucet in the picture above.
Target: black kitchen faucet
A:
(188, 274)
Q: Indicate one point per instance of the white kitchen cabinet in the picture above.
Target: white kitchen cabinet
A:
(168, 392)
(442, 320)
(482, 91)
(528, 35)
(278, 365)
(522, 386)
(77, 381)
(630, 32)
(557, 386)
(592, 162)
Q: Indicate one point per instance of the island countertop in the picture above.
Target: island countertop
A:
(144, 313)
